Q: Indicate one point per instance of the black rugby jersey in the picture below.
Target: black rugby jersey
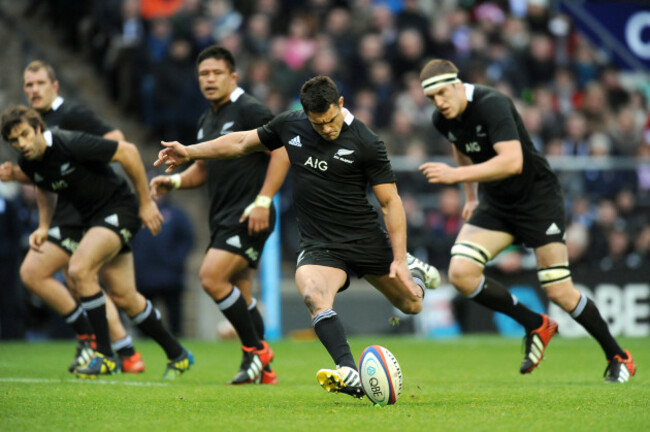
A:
(491, 117)
(330, 178)
(72, 116)
(75, 166)
(233, 183)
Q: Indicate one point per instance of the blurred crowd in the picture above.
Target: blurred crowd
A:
(574, 101)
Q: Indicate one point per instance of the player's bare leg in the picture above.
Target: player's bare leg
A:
(219, 272)
(119, 274)
(37, 272)
(318, 286)
(555, 278)
(97, 247)
(476, 246)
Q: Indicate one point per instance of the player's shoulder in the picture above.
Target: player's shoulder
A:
(487, 97)
(361, 130)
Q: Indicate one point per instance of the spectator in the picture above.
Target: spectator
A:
(160, 262)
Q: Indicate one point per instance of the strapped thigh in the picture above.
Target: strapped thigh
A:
(554, 274)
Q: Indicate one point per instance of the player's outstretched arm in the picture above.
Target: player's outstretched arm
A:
(233, 145)
(46, 202)
(128, 156)
(192, 177)
(258, 211)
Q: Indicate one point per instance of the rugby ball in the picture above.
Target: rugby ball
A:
(380, 375)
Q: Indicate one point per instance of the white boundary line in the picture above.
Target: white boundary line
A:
(79, 381)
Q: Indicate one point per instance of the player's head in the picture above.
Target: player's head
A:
(40, 85)
(23, 128)
(323, 106)
(215, 66)
(443, 88)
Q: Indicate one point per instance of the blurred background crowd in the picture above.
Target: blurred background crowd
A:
(590, 118)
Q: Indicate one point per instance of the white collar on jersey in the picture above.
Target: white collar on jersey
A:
(236, 93)
(48, 138)
(348, 116)
(56, 103)
(469, 91)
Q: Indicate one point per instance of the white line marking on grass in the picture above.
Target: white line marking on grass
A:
(80, 381)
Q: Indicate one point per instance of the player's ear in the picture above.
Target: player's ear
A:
(55, 84)
(341, 102)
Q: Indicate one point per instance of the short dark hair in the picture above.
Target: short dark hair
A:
(437, 67)
(37, 65)
(18, 114)
(217, 52)
(318, 94)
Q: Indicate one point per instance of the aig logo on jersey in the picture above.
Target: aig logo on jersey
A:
(316, 164)
(472, 147)
(341, 153)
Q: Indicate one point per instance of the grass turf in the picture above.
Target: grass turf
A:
(467, 384)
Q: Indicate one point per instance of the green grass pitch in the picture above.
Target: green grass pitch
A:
(466, 384)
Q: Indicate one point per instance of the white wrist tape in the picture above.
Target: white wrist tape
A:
(175, 180)
(260, 201)
(263, 201)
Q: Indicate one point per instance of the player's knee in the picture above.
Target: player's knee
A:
(213, 286)
(466, 266)
(30, 276)
(556, 282)
(80, 273)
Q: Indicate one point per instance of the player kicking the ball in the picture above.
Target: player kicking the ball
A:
(521, 202)
(334, 157)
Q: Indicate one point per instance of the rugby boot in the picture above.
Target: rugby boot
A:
(536, 342)
(619, 369)
(343, 379)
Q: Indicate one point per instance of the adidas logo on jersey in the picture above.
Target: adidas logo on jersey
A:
(479, 131)
(112, 220)
(37, 178)
(553, 229)
(295, 141)
(234, 241)
(451, 136)
(199, 134)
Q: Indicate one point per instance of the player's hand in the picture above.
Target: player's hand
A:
(6, 172)
(151, 216)
(437, 172)
(469, 208)
(37, 238)
(160, 185)
(399, 269)
(173, 155)
(258, 218)
(258, 213)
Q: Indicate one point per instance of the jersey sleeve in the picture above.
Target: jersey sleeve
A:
(497, 115)
(376, 163)
(91, 148)
(270, 133)
(83, 119)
